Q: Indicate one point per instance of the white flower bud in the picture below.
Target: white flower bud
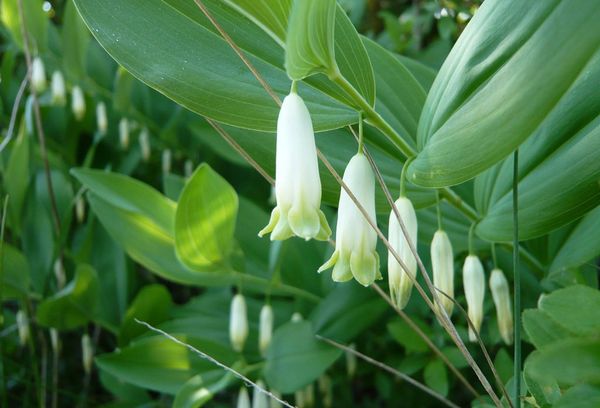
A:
(166, 161)
(124, 133)
(309, 395)
(87, 353)
(238, 323)
(474, 285)
(38, 76)
(296, 317)
(145, 144)
(273, 403)
(400, 282)
(442, 264)
(77, 103)
(297, 182)
(54, 340)
(326, 390)
(355, 241)
(59, 93)
(22, 327)
(259, 398)
(243, 400)
(501, 294)
(101, 118)
(188, 168)
(299, 397)
(351, 361)
(265, 332)
(59, 273)
(80, 209)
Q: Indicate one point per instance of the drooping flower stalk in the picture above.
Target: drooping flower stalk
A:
(297, 182)
(238, 322)
(355, 254)
(474, 286)
(399, 280)
(501, 295)
(442, 265)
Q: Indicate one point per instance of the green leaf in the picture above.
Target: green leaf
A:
(16, 178)
(205, 219)
(580, 396)
(193, 65)
(542, 329)
(407, 337)
(159, 364)
(152, 305)
(197, 391)
(436, 376)
(74, 305)
(480, 107)
(310, 39)
(296, 358)
(75, 40)
(568, 361)
(36, 21)
(575, 308)
(545, 390)
(504, 365)
(15, 273)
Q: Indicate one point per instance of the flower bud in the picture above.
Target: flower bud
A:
(54, 340)
(238, 323)
(351, 361)
(101, 118)
(265, 332)
(259, 398)
(59, 93)
(59, 273)
(78, 103)
(188, 168)
(355, 254)
(145, 144)
(243, 400)
(38, 76)
(309, 395)
(124, 133)
(296, 317)
(297, 182)
(399, 280)
(166, 161)
(474, 285)
(501, 295)
(299, 397)
(80, 209)
(442, 264)
(326, 390)
(22, 327)
(87, 353)
(273, 403)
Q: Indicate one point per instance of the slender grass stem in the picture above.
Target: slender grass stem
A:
(517, 281)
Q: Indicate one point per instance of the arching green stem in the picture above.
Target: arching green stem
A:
(517, 281)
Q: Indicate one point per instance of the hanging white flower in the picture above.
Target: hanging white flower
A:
(238, 322)
(399, 281)
(59, 273)
(124, 133)
(273, 403)
(259, 398)
(442, 264)
(54, 340)
(188, 168)
(166, 161)
(355, 241)
(77, 103)
(144, 141)
(501, 295)
(87, 352)
(59, 93)
(265, 332)
(101, 118)
(474, 285)
(243, 400)
(38, 76)
(22, 327)
(297, 183)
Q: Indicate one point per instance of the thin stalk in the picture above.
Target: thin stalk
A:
(494, 259)
(438, 210)
(470, 242)
(517, 281)
(403, 178)
(2, 377)
(55, 360)
(15, 109)
(390, 370)
(361, 135)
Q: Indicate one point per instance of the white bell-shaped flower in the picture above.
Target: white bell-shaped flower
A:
(243, 400)
(400, 282)
(80, 209)
(238, 322)
(59, 93)
(265, 332)
(38, 76)
(166, 161)
(442, 264)
(124, 133)
(22, 327)
(101, 118)
(355, 240)
(54, 340)
(59, 273)
(144, 141)
(259, 398)
(297, 182)
(474, 285)
(501, 295)
(87, 353)
(273, 403)
(188, 168)
(77, 103)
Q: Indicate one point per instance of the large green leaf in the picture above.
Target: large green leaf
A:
(516, 65)
(14, 273)
(16, 178)
(36, 21)
(74, 305)
(75, 40)
(205, 219)
(193, 65)
(152, 305)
